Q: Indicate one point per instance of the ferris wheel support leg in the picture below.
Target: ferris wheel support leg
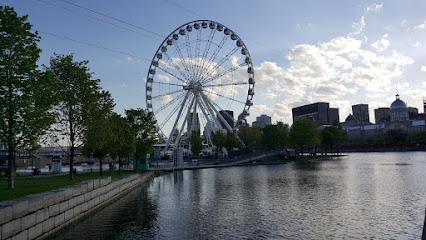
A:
(231, 129)
(209, 123)
(184, 122)
(177, 120)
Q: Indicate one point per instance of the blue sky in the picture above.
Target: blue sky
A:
(342, 52)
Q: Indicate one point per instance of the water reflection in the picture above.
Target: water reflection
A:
(362, 196)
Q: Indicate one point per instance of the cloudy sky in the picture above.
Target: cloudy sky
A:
(341, 52)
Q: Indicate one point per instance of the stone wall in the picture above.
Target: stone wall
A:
(40, 215)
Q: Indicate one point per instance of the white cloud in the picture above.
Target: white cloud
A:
(123, 85)
(423, 68)
(358, 27)
(417, 44)
(382, 44)
(421, 26)
(375, 7)
(165, 99)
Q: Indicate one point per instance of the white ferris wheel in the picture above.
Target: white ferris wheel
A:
(200, 78)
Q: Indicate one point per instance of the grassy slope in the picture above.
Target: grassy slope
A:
(30, 185)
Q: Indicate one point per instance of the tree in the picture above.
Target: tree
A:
(303, 133)
(78, 97)
(26, 94)
(142, 124)
(123, 143)
(196, 142)
(99, 134)
(250, 136)
(232, 141)
(219, 139)
(275, 136)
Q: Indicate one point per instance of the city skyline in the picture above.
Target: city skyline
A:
(344, 53)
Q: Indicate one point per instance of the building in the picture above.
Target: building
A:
(228, 115)
(193, 127)
(382, 115)
(398, 110)
(413, 113)
(320, 113)
(360, 112)
(262, 121)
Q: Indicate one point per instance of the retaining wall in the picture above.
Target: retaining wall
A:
(40, 215)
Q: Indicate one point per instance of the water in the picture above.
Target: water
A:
(361, 196)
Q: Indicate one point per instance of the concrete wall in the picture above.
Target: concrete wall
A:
(40, 215)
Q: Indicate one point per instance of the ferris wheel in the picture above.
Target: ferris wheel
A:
(200, 78)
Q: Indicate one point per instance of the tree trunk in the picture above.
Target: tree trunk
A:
(11, 143)
(11, 168)
(71, 163)
(119, 165)
(136, 163)
(100, 167)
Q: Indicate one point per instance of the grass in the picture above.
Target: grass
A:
(36, 184)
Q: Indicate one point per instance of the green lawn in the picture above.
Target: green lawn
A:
(30, 185)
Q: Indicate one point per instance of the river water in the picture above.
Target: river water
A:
(359, 196)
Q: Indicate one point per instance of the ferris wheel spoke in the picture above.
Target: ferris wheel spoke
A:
(182, 59)
(171, 84)
(173, 75)
(169, 103)
(211, 71)
(177, 119)
(182, 72)
(233, 69)
(221, 119)
(168, 93)
(205, 53)
(218, 48)
(175, 109)
(189, 53)
(226, 84)
(222, 96)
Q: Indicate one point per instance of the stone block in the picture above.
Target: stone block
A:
(21, 236)
(54, 210)
(63, 206)
(59, 219)
(59, 195)
(89, 185)
(28, 221)
(35, 202)
(104, 181)
(69, 214)
(49, 199)
(42, 215)
(87, 196)
(95, 183)
(20, 208)
(72, 202)
(80, 199)
(84, 207)
(101, 198)
(35, 231)
(68, 193)
(76, 190)
(6, 210)
(77, 210)
(83, 188)
(48, 225)
(10, 228)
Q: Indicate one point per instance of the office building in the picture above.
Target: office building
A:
(193, 127)
(382, 115)
(320, 113)
(360, 112)
(262, 121)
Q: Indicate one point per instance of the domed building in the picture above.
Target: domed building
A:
(398, 110)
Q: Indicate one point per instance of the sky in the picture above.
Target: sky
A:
(341, 52)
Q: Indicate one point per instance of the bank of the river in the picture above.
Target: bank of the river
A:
(40, 215)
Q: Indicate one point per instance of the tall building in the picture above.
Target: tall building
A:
(413, 113)
(398, 110)
(228, 115)
(320, 113)
(360, 112)
(382, 115)
(190, 126)
(262, 121)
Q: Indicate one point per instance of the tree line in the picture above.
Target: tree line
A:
(301, 135)
(60, 104)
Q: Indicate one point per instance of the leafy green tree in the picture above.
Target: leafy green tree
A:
(196, 142)
(78, 97)
(232, 141)
(219, 139)
(26, 94)
(123, 143)
(275, 136)
(250, 136)
(304, 133)
(99, 134)
(142, 124)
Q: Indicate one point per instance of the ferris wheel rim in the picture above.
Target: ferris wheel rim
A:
(247, 104)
